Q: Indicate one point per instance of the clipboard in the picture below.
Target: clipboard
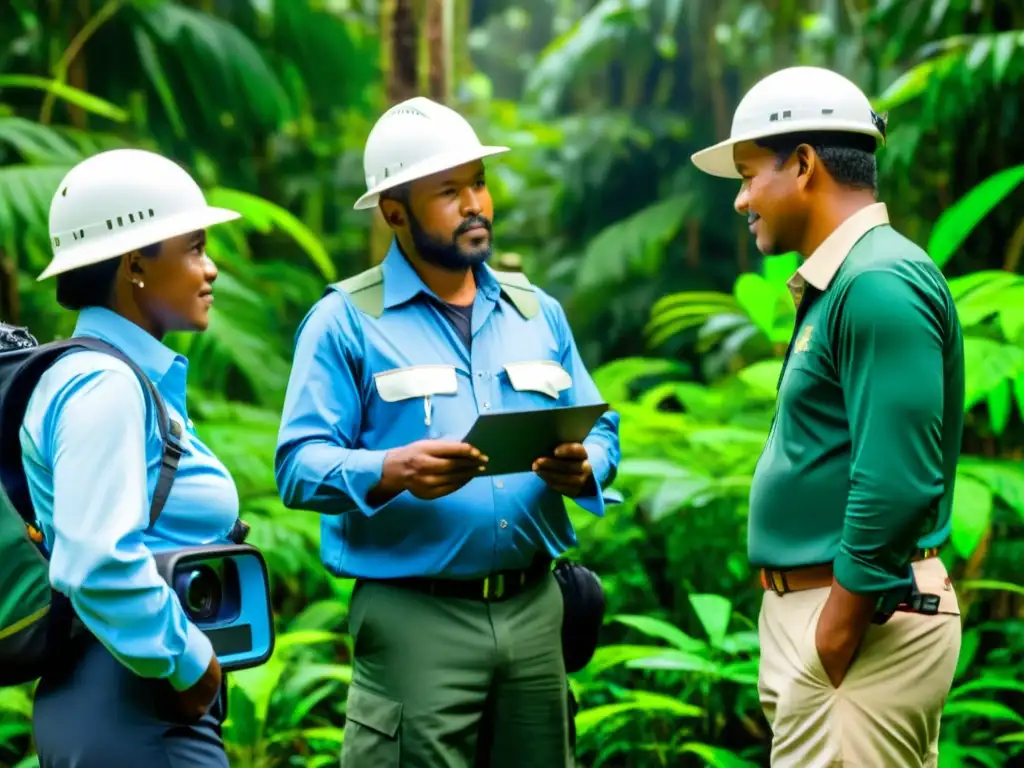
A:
(513, 440)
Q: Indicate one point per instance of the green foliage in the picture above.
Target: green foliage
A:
(268, 105)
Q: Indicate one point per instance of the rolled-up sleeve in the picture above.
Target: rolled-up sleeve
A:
(97, 445)
(317, 465)
(889, 349)
(602, 444)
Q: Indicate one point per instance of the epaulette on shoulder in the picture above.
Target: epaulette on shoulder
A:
(520, 291)
(366, 290)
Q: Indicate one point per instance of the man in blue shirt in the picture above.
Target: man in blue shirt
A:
(456, 616)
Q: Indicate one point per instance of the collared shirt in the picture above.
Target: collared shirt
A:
(92, 453)
(860, 462)
(357, 390)
(821, 266)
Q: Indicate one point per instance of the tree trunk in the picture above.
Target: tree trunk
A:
(399, 62)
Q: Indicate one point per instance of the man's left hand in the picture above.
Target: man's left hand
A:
(842, 624)
(568, 471)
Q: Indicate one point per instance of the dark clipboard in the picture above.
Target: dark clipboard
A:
(513, 440)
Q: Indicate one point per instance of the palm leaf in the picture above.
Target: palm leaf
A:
(224, 72)
(68, 93)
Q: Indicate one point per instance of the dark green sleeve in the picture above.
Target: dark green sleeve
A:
(887, 340)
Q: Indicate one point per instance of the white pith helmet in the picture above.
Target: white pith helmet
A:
(415, 139)
(789, 101)
(116, 201)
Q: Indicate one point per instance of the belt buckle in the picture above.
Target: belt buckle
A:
(498, 581)
(775, 580)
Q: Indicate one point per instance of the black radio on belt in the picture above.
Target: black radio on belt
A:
(914, 601)
(584, 605)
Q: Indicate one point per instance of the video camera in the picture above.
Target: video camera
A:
(225, 590)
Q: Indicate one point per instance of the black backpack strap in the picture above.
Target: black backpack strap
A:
(15, 403)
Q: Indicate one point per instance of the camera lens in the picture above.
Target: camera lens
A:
(202, 593)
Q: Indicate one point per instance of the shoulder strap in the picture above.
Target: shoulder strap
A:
(520, 291)
(366, 290)
(15, 402)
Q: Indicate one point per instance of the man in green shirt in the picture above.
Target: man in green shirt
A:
(852, 496)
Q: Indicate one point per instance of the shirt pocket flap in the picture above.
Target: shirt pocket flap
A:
(416, 381)
(542, 376)
(374, 711)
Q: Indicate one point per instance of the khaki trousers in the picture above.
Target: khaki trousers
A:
(886, 712)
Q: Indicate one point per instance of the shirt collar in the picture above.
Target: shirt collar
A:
(402, 283)
(822, 265)
(152, 356)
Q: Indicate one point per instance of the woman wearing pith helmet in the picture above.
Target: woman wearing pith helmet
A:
(142, 686)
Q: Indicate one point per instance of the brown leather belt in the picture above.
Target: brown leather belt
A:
(783, 580)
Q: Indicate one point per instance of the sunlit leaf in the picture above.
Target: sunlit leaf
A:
(994, 585)
(999, 405)
(715, 613)
(662, 630)
(957, 222)
(758, 298)
(762, 377)
(1004, 478)
(988, 364)
(70, 94)
(972, 514)
(640, 702)
(264, 216)
(987, 710)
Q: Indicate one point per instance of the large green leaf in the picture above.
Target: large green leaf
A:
(989, 363)
(222, 72)
(263, 216)
(1004, 478)
(759, 299)
(25, 195)
(957, 222)
(972, 514)
(37, 144)
(634, 245)
(580, 48)
(662, 630)
(714, 612)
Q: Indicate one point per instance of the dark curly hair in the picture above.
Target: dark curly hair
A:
(849, 158)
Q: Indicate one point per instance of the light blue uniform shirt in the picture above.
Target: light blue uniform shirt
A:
(341, 416)
(92, 452)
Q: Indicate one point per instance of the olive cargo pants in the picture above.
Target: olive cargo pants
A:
(886, 711)
(428, 671)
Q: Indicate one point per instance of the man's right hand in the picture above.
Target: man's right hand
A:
(192, 703)
(428, 469)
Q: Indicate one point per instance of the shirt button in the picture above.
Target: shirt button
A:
(487, 406)
(503, 523)
(499, 484)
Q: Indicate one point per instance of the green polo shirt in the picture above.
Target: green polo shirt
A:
(859, 464)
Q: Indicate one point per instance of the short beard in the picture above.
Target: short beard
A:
(449, 254)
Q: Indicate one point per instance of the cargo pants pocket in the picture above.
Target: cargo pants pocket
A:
(371, 730)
